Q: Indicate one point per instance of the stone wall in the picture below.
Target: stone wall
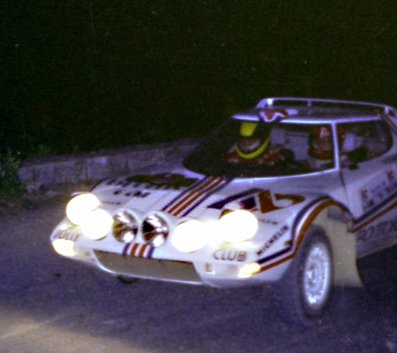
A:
(44, 173)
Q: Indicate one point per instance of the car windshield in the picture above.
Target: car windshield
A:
(257, 149)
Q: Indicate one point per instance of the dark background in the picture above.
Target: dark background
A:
(92, 74)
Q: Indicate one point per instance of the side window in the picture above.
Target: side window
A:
(360, 142)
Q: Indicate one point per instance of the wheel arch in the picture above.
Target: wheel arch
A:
(332, 219)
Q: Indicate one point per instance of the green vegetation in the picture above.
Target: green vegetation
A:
(10, 186)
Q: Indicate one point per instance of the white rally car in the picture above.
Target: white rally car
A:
(296, 192)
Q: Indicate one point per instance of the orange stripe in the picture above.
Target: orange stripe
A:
(309, 221)
(184, 199)
(279, 262)
(194, 196)
(206, 186)
(301, 233)
(198, 195)
(374, 217)
(133, 249)
(142, 251)
(311, 217)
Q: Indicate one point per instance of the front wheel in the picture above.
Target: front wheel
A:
(305, 289)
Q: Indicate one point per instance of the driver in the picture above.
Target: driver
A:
(254, 146)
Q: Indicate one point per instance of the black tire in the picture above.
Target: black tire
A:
(127, 280)
(305, 290)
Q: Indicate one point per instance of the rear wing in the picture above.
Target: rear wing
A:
(278, 102)
(388, 112)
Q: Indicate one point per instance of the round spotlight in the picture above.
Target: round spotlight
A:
(155, 230)
(125, 226)
(64, 247)
(190, 236)
(239, 225)
(80, 206)
(97, 224)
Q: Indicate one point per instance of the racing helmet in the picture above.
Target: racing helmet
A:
(254, 139)
(320, 143)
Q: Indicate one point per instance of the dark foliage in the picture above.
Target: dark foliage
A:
(92, 74)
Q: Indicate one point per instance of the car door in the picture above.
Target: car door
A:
(369, 170)
(370, 181)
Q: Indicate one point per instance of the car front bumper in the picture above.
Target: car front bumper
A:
(207, 268)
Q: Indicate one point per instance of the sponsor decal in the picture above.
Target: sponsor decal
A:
(378, 189)
(109, 202)
(276, 236)
(371, 239)
(264, 200)
(188, 200)
(230, 255)
(271, 222)
(378, 231)
(377, 237)
(377, 212)
(67, 234)
(247, 203)
(268, 203)
(272, 115)
(301, 224)
(138, 194)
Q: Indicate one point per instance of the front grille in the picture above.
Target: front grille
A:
(177, 271)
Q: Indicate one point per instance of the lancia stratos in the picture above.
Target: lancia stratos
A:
(298, 193)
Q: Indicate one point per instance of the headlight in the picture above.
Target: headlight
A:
(154, 230)
(125, 226)
(249, 269)
(79, 208)
(97, 224)
(64, 247)
(190, 236)
(239, 225)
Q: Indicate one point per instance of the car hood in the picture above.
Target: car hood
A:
(182, 193)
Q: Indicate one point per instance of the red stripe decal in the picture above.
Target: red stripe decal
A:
(196, 196)
(180, 204)
(133, 249)
(189, 195)
(142, 251)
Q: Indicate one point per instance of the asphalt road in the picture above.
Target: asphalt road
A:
(50, 304)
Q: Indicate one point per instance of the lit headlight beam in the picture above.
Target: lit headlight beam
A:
(80, 206)
(249, 269)
(97, 224)
(83, 210)
(190, 236)
(238, 226)
(64, 247)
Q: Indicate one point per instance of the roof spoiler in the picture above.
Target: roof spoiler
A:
(274, 102)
